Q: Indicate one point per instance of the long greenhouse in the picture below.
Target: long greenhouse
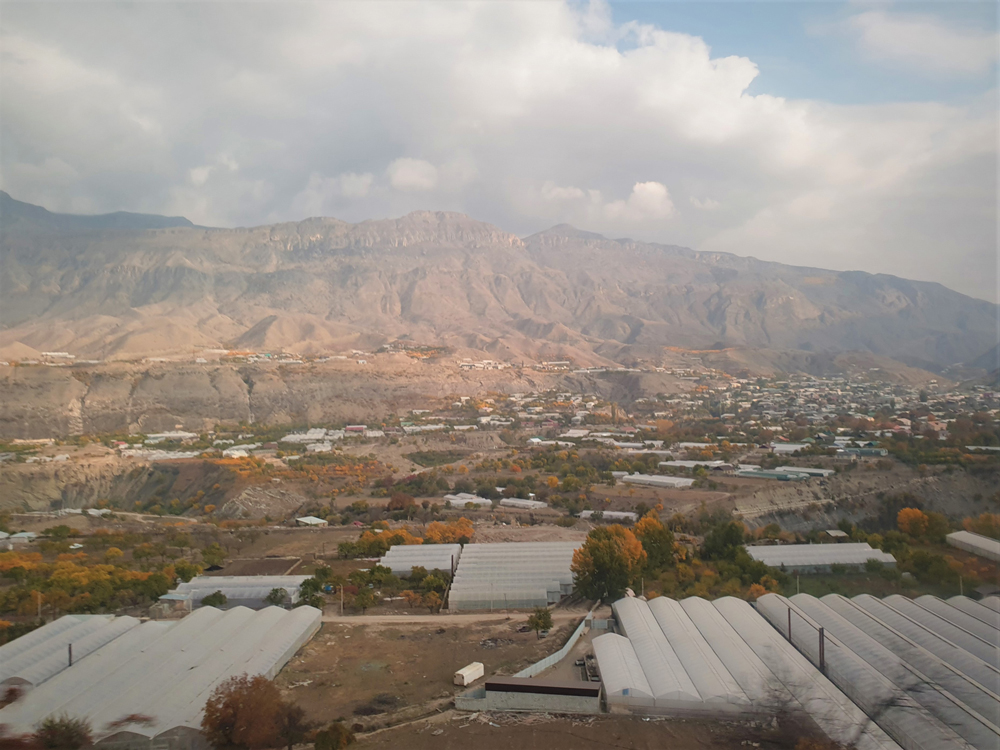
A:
(164, 670)
(517, 575)
(403, 558)
(701, 658)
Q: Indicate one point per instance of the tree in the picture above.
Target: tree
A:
(334, 737)
(292, 725)
(412, 598)
(185, 570)
(540, 619)
(608, 562)
(657, 541)
(213, 555)
(364, 599)
(722, 542)
(912, 521)
(277, 597)
(217, 599)
(244, 713)
(64, 733)
(433, 601)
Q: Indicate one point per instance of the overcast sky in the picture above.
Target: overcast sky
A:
(846, 136)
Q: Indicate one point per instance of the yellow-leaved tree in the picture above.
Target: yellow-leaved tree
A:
(609, 561)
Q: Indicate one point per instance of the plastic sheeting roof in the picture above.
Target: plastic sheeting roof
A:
(960, 618)
(977, 544)
(402, 558)
(984, 649)
(621, 672)
(796, 555)
(923, 678)
(833, 711)
(522, 574)
(908, 722)
(978, 610)
(167, 669)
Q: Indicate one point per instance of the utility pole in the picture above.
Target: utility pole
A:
(341, 600)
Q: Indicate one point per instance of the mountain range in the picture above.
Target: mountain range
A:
(126, 286)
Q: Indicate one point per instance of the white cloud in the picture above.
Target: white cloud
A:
(649, 200)
(412, 174)
(523, 114)
(925, 42)
(706, 204)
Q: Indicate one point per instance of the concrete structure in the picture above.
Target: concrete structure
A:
(164, 670)
(781, 476)
(311, 521)
(818, 558)
(977, 544)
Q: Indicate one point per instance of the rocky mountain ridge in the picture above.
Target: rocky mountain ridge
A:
(126, 286)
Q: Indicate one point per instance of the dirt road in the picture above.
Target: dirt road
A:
(442, 619)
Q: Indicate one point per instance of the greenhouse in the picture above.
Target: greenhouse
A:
(402, 558)
(240, 591)
(816, 558)
(165, 670)
(964, 676)
(993, 602)
(977, 544)
(930, 682)
(834, 712)
(902, 717)
(937, 636)
(697, 657)
(517, 575)
(976, 609)
(960, 618)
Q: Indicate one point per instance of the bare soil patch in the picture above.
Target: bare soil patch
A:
(347, 666)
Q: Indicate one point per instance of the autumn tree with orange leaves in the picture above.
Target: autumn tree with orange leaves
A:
(609, 562)
(248, 713)
(912, 521)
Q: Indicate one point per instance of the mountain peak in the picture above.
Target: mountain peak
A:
(23, 215)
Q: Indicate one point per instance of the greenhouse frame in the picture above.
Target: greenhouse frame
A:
(976, 609)
(515, 575)
(402, 558)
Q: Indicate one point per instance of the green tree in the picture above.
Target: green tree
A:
(364, 599)
(277, 597)
(63, 733)
(608, 562)
(722, 542)
(657, 541)
(217, 599)
(213, 555)
(185, 570)
(539, 620)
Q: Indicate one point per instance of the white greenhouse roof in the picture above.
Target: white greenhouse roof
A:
(977, 544)
(896, 711)
(804, 555)
(402, 558)
(621, 672)
(166, 670)
(936, 686)
(978, 610)
(515, 575)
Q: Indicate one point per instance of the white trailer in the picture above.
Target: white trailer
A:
(468, 675)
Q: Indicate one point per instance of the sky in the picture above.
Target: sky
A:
(851, 136)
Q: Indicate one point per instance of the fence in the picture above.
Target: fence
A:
(552, 659)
